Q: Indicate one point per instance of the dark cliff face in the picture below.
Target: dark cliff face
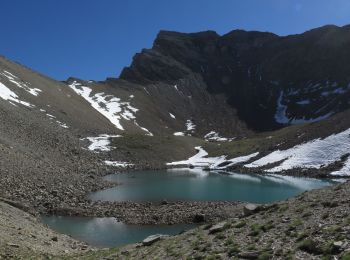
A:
(270, 80)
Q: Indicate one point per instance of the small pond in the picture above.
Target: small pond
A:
(108, 232)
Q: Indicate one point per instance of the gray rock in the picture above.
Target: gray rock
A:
(152, 239)
(250, 209)
(217, 228)
(338, 244)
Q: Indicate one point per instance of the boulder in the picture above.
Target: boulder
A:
(217, 228)
(198, 218)
(152, 239)
(250, 209)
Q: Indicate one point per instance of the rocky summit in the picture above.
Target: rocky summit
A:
(246, 101)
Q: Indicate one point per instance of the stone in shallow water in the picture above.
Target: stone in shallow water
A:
(152, 239)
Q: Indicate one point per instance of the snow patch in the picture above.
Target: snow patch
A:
(118, 164)
(172, 116)
(282, 118)
(7, 94)
(101, 143)
(214, 136)
(200, 160)
(19, 83)
(109, 106)
(344, 171)
(190, 126)
(179, 134)
(62, 124)
(313, 154)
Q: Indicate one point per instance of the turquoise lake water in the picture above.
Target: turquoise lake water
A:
(172, 185)
(183, 184)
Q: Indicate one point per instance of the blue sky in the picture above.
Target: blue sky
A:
(95, 39)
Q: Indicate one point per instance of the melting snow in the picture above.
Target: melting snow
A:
(118, 164)
(7, 94)
(109, 106)
(172, 116)
(214, 136)
(62, 124)
(179, 134)
(144, 129)
(344, 171)
(51, 116)
(19, 83)
(200, 160)
(314, 154)
(190, 126)
(101, 143)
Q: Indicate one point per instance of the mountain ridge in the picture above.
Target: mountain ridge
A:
(252, 68)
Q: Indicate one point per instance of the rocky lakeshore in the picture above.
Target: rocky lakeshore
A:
(314, 225)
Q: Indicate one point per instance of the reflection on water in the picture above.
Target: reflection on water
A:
(196, 184)
(108, 232)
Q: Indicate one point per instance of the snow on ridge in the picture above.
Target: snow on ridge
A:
(109, 106)
(7, 94)
(214, 136)
(101, 143)
(19, 83)
(316, 154)
(200, 160)
(118, 164)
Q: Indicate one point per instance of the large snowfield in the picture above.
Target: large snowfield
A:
(313, 154)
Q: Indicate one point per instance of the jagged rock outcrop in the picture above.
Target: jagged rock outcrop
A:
(270, 80)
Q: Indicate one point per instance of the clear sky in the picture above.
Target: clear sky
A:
(94, 39)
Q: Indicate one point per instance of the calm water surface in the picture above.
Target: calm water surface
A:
(173, 185)
(108, 232)
(183, 184)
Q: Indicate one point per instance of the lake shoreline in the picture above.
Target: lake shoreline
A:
(72, 200)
